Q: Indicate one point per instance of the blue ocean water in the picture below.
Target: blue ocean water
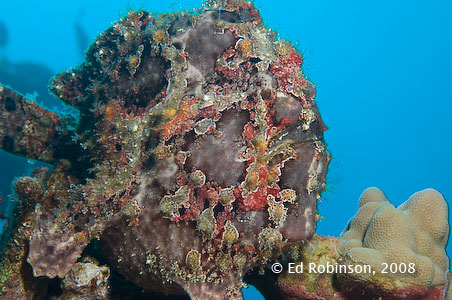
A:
(383, 71)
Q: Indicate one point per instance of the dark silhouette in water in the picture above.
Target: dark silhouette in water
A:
(83, 40)
(27, 78)
(3, 35)
(12, 166)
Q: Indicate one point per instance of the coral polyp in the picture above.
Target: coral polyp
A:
(198, 156)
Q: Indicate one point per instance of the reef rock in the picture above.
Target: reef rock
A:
(198, 155)
(86, 281)
(327, 276)
(312, 285)
(16, 275)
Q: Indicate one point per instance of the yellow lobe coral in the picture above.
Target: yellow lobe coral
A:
(382, 236)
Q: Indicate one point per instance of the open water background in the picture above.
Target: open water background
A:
(383, 71)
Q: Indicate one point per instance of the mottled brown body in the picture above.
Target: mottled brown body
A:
(202, 151)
